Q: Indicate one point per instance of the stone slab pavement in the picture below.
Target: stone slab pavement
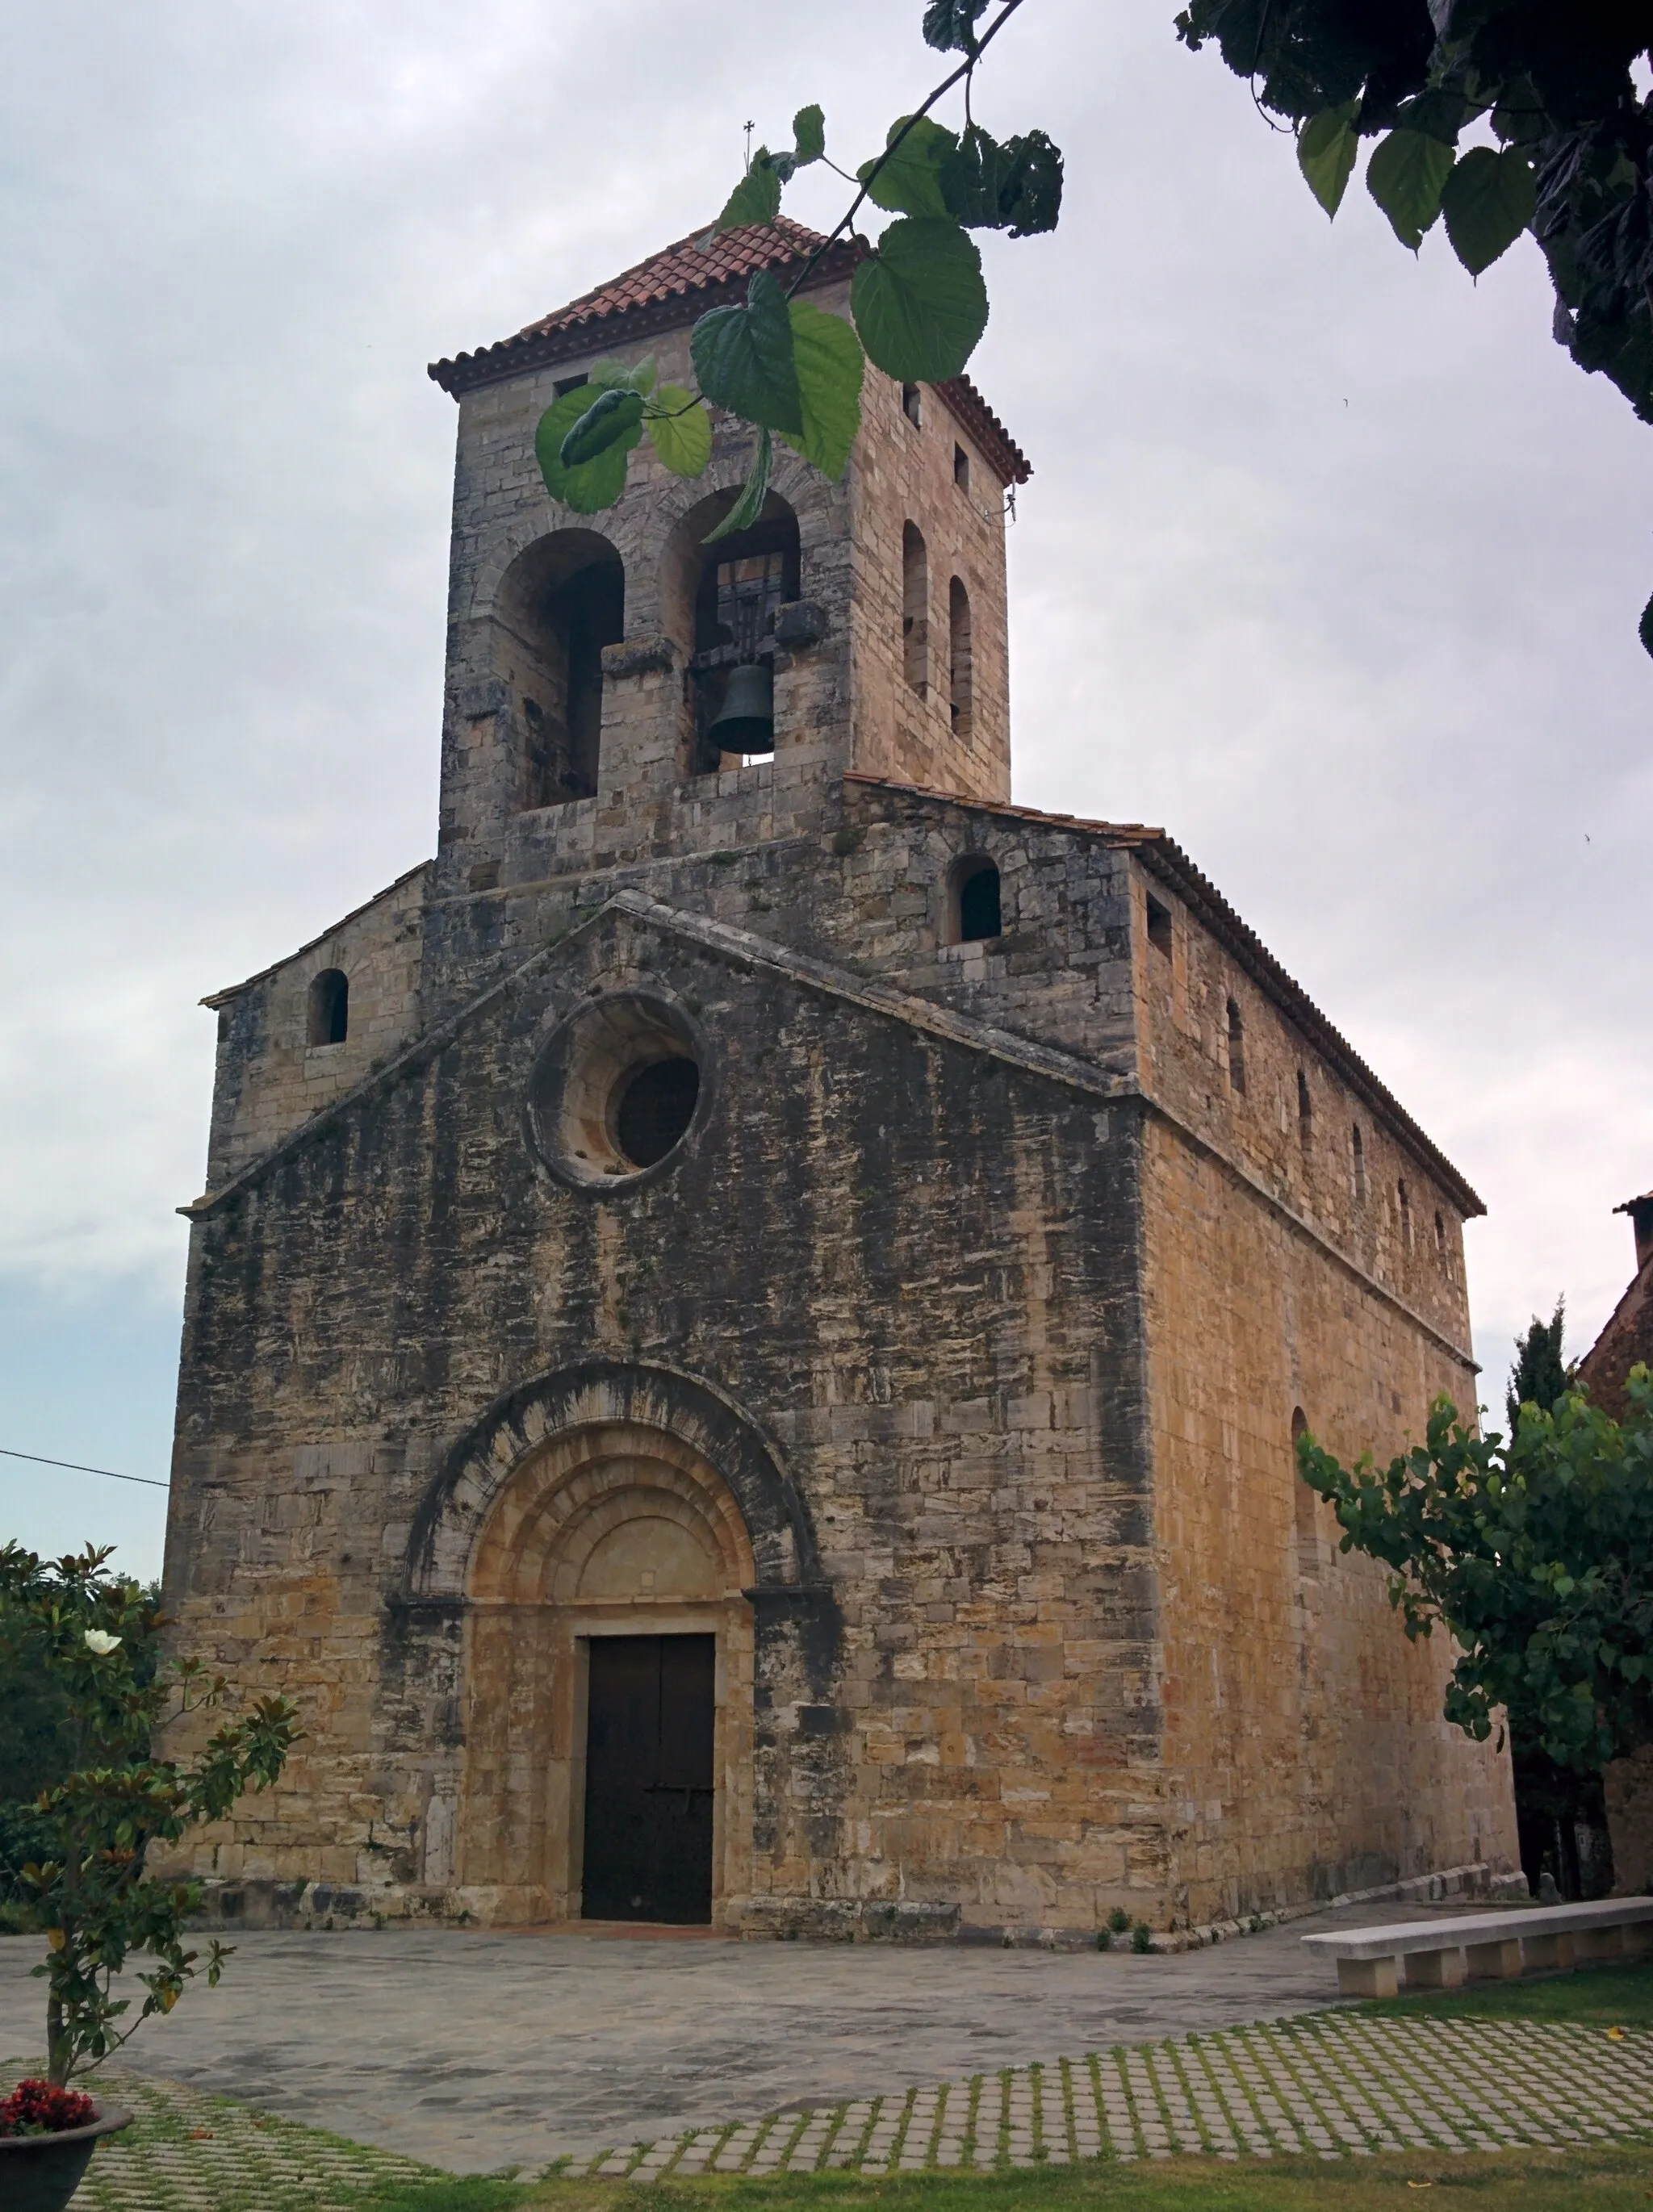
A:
(471, 2050)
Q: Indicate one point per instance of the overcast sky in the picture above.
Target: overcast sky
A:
(1332, 564)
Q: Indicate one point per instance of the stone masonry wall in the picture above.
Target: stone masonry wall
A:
(915, 1267)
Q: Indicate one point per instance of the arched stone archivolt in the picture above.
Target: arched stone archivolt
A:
(690, 1423)
(565, 1506)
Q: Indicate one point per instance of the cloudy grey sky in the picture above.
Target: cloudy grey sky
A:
(1332, 564)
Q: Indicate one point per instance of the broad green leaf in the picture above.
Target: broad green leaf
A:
(1644, 627)
(950, 25)
(919, 302)
(809, 136)
(606, 422)
(1404, 176)
(830, 366)
(909, 181)
(747, 508)
(681, 429)
(756, 199)
(1489, 200)
(1017, 186)
(742, 357)
(615, 376)
(594, 484)
(1327, 146)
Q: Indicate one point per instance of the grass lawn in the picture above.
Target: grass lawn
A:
(1607, 2180)
(1594, 1997)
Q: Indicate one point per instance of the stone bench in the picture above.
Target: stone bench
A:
(1439, 1955)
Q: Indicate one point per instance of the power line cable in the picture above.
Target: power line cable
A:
(75, 1467)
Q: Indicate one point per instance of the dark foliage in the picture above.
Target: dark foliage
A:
(1541, 1376)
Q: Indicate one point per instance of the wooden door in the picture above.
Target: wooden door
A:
(648, 1779)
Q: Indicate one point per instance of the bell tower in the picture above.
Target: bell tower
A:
(608, 675)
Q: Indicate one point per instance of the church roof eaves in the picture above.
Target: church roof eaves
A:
(686, 278)
(235, 990)
(1167, 860)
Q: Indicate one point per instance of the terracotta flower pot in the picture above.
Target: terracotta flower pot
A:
(40, 2173)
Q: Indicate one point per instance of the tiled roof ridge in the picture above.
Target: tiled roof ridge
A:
(650, 296)
(1630, 1203)
(1168, 859)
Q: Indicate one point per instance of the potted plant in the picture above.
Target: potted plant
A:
(97, 1636)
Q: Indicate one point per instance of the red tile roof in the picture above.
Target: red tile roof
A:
(678, 286)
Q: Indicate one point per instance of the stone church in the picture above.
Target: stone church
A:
(748, 1319)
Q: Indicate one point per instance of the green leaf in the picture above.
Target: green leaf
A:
(1327, 146)
(831, 368)
(1017, 186)
(1644, 627)
(606, 421)
(910, 181)
(809, 136)
(919, 302)
(747, 508)
(950, 25)
(1405, 176)
(594, 484)
(756, 199)
(681, 429)
(742, 357)
(1488, 201)
(615, 376)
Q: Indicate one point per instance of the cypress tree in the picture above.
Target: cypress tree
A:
(1540, 1376)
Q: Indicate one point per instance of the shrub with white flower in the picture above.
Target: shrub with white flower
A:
(98, 1635)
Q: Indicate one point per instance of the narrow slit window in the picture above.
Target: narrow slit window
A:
(916, 609)
(1358, 1150)
(329, 1010)
(977, 915)
(1305, 1113)
(1440, 1239)
(1406, 1216)
(912, 405)
(1159, 926)
(961, 468)
(1235, 1047)
(1306, 1500)
(960, 673)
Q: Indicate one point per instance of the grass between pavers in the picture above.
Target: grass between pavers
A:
(1590, 1997)
(1605, 2180)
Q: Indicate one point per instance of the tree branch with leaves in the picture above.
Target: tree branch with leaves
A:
(97, 1636)
(917, 299)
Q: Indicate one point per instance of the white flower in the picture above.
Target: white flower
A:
(101, 1641)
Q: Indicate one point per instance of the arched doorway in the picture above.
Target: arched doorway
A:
(608, 1675)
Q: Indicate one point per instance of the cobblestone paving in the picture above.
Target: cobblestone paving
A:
(185, 2152)
(1329, 2085)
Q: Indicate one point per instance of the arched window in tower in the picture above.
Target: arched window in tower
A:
(1305, 1113)
(561, 602)
(975, 914)
(916, 609)
(730, 592)
(959, 677)
(1236, 1046)
(1357, 1154)
(328, 1008)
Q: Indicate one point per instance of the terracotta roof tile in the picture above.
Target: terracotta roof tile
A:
(679, 284)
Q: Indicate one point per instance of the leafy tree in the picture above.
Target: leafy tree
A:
(1536, 1555)
(918, 301)
(1540, 1376)
(93, 1637)
(1565, 152)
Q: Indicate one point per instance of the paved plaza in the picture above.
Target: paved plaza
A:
(655, 2054)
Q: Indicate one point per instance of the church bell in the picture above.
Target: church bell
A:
(746, 721)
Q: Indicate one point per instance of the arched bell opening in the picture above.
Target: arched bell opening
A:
(559, 603)
(608, 1686)
(722, 601)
